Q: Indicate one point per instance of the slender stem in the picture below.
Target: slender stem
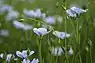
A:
(57, 52)
(66, 52)
(80, 58)
(78, 40)
(76, 56)
(65, 42)
(59, 41)
(77, 33)
(39, 47)
(90, 55)
(56, 59)
(26, 37)
(73, 59)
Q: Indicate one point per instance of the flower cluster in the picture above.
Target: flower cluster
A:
(57, 51)
(74, 11)
(34, 13)
(20, 25)
(24, 55)
(40, 17)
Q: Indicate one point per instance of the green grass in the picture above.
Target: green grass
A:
(82, 39)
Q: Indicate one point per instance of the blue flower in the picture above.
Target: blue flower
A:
(61, 35)
(23, 26)
(12, 15)
(71, 13)
(34, 13)
(50, 20)
(24, 53)
(40, 31)
(9, 56)
(74, 11)
(37, 13)
(5, 8)
(35, 61)
(78, 10)
(28, 61)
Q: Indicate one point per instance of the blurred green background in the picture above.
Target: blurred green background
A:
(18, 39)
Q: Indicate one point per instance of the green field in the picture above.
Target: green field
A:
(18, 18)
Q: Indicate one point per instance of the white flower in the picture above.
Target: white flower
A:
(35, 61)
(24, 53)
(15, 59)
(50, 20)
(57, 51)
(9, 56)
(1, 55)
(4, 32)
(40, 31)
(74, 11)
(71, 51)
(20, 25)
(21, 54)
(61, 35)
(31, 52)
(12, 15)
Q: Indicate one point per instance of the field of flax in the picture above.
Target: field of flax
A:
(47, 31)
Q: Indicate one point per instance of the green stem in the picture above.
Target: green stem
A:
(76, 56)
(73, 59)
(77, 33)
(59, 41)
(80, 58)
(26, 37)
(66, 52)
(90, 55)
(39, 47)
(56, 59)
